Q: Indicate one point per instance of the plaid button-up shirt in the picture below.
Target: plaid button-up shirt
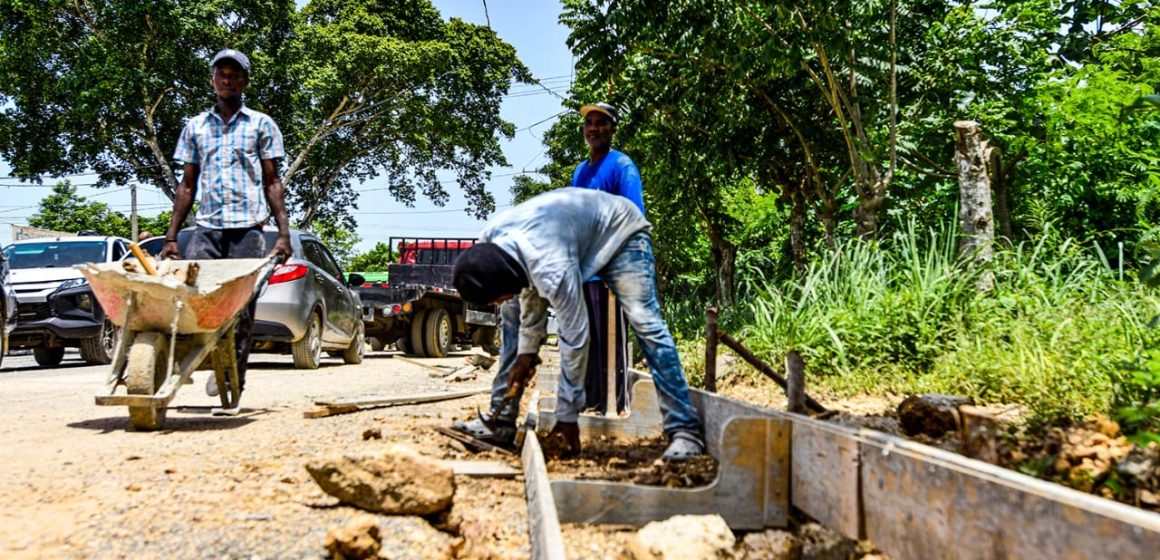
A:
(229, 157)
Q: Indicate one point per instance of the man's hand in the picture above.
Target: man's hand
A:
(282, 248)
(522, 371)
(169, 251)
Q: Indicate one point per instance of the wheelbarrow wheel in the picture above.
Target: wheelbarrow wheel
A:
(144, 372)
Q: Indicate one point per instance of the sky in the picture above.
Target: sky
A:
(529, 26)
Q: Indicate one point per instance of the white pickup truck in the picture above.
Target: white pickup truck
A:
(55, 305)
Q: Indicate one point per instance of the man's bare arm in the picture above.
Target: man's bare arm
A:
(182, 203)
(276, 200)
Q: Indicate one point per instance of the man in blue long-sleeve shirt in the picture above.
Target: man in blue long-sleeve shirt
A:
(543, 250)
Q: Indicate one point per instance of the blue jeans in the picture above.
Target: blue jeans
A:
(631, 275)
(509, 322)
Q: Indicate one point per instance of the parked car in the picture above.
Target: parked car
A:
(55, 305)
(8, 306)
(308, 307)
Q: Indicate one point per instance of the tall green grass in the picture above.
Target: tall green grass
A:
(902, 315)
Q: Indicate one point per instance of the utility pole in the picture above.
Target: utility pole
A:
(133, 211)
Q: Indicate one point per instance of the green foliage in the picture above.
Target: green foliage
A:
(63, 210)
(338, 238)
(901, 316)
(360, 89)
(375, 260)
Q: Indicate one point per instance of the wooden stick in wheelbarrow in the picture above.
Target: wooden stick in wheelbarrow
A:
(143, 259)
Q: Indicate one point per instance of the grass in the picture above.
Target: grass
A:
(1059, 333)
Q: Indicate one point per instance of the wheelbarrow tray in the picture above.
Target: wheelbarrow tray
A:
(221, 289)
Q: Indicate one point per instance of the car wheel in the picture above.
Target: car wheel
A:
(436, 333)
(144, 373)
(100, 349)
(415, 341)
(376, 344)
(404, 345)
(308, 350)
(48, 357)
(354, 352)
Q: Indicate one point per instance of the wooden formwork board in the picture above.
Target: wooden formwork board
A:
(825, 475)
(644, 420)
(920, 503)
(547, 541)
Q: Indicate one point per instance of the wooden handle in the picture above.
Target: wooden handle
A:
(143, 258)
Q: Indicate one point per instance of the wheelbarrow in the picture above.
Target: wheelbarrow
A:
(173, 319)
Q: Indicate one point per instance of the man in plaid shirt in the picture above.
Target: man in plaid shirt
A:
(231, 152)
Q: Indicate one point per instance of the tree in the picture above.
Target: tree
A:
(375, 260)
(339, 239)
(388, 88)
(63, 210)
(360, 88)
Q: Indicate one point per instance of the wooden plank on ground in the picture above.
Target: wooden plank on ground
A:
(400, 400)
(482, 469)
(472, 443)
(432, 367)
(355, 404)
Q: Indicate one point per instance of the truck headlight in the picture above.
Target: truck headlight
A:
(72, 283)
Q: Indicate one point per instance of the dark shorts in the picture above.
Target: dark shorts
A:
(240, 243)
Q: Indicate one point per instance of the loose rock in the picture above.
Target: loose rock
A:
(930, 414)
(359, 540)
(820, 543)
(684, 537)
(770, 545)
(399, 481)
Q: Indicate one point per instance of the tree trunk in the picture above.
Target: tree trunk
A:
(797, 230)
(999, 184)
(977, 242)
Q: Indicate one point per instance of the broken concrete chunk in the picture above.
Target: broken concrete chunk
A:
(358, 540)
(933, 415)
(773, 544)
(684, 537)
(820, 543)
(400, 481)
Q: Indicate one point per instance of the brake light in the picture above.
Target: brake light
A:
(288, 273)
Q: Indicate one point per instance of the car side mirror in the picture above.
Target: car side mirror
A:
(355, 280)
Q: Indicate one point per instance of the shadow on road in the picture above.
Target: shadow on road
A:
(63, 365)
(203, 421)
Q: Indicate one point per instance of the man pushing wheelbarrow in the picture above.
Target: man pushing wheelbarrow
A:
(191, 311)
(230, 154)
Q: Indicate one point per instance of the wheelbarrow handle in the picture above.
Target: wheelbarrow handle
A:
(272, 263)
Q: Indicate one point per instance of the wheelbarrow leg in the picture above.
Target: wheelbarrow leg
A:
(225, 370)
(145, 370)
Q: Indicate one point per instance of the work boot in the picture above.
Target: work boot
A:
(684, 445)
(563, 442)
(489, 429)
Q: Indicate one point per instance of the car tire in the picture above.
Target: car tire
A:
(436, 333)
(308, 350)
(48, 357)
(354, 353)
(376, 344)
(100, 349)
(487, 338)
(404, 345)
(415, 340)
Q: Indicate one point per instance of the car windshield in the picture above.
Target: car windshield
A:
(54, 254)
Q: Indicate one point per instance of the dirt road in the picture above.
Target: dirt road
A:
(78, 482)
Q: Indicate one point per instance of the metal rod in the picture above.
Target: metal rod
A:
(761, 366)
(711, 349)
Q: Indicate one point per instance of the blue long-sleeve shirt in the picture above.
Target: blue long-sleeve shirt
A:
(561, 238)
